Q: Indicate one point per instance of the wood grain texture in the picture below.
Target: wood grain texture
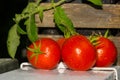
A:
(85, 16)
(8, 64)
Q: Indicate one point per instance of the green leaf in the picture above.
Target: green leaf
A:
(13, 41)
(38, 2)
(41, 13)
(21, 31)
(63, 22)
(106, 33)
(31, 28)
(30, 7)
(17, 18)
(58, 22)
(96, 2)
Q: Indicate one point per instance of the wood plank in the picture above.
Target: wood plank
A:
(39, 74)
(8, 64)
(85, 16)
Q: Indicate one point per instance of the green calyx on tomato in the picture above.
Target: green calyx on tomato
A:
(36, 51)
(95, 37)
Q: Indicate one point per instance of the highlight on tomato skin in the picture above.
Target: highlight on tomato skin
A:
(106, 52)
(44, 54)
(78, 53)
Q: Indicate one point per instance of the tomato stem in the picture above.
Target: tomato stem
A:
(20, 17)
(106, 33)
(94, 37)
(36, 49)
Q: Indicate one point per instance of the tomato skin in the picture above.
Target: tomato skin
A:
(50, 56)
(106, 53)
(78, 53)
(61, 41)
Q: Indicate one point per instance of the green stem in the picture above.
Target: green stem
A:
(106, 33)
(38, 2)
(55, 4)
(71, 30)
(38, 9)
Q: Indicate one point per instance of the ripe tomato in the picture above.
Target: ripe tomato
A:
(60, 41)
(78, 53)
(44, 53)
(106, 52)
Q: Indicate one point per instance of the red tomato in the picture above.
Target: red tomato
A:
(106, 52)
(45, 55)
(78, 53)
(60, 41)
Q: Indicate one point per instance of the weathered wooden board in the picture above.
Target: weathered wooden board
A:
(39, 74)
(8, 64)
(85, 16)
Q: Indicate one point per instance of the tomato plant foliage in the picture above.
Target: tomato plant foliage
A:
(63, 22)
(96, 2)
(28, 14)
(13, 40)
(31, 28)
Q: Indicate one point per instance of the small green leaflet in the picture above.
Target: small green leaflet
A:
(59, 23)
(41, 14)
(17, 18)
(13, 41)
(30, 8)
(20, 31)
(96, 2)
(38, 2)
(31, 28)
(63, 22)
